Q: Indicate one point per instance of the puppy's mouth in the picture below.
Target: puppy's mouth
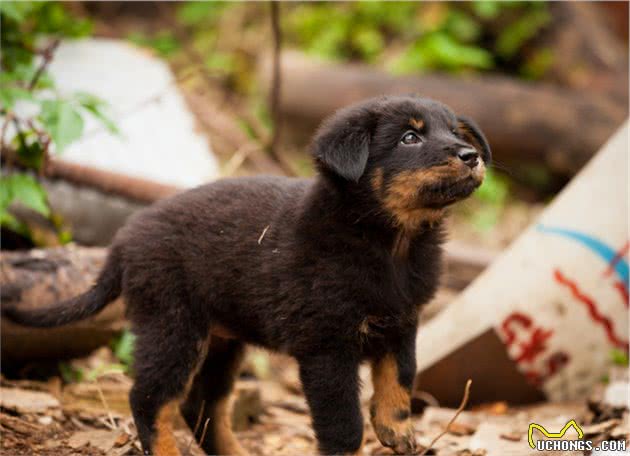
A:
(422, 194)
(448, 183)
(442, 194)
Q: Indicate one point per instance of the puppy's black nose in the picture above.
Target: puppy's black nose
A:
(469, 156)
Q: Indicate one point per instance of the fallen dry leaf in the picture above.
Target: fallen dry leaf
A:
(104, 440)
(460, 429)
(494, 408)
(512, 437)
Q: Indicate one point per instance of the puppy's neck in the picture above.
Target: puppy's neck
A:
(358, 209)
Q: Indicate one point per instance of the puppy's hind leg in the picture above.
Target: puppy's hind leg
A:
(207, 404)
(167, 352)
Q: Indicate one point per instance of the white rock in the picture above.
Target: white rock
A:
(158, 140)
(617, 394)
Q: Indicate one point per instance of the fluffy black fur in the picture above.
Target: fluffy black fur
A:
(330, 270)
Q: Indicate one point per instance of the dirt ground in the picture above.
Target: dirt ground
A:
(50, 418)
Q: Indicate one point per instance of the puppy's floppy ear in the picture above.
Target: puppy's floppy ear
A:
(472, 134)
(342, 142)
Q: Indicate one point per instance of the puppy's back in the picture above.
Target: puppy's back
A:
(210, 233)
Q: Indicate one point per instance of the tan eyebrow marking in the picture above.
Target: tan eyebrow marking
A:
(418, 124)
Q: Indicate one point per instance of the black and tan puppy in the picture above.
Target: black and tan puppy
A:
(330, 270)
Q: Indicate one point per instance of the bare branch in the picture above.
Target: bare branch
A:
(276, 78)
(47, 55)
(460, 409)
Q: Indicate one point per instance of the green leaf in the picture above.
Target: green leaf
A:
(15, 11)
(6, 193)
(537, 64)
(619, 357)
(368, 42)
(9, 95)
(220, 61)
(62, 122)
(439, 50)
(69, 373)
(164, 43)
(486, 9)
(65, 237)
(123, 347)
(30, 153)
(462, 26)
(515, 35)
(195, 12)
(9, 221)
(95, 106)
(25, 189)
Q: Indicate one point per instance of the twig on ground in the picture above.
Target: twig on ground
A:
(102, 397)
(197, 424)
(461, 408)
(203, 433)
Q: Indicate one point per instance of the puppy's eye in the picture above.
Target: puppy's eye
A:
(410, 138)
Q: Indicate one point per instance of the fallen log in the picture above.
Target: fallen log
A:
(525, 122)
(39, 278)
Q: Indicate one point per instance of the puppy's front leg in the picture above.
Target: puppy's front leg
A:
(331, 387)
(390, 409)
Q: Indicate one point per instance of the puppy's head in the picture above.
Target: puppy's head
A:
(414, 154)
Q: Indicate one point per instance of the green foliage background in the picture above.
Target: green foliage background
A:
(27, 31)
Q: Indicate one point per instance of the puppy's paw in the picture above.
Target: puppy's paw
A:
(396, 433)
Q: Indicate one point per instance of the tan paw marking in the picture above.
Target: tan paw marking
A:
(390, 408)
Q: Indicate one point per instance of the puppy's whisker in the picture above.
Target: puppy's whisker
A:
(502, 167)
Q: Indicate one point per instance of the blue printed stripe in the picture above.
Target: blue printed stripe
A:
(598, 247)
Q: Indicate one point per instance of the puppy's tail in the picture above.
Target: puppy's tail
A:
(107, 288)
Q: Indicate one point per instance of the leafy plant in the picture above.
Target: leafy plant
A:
(163, 43)
(414, 36)
(70, 373)
(37, 116)
(25, 189)
(619, 357)
(492, 196)
(123, 347)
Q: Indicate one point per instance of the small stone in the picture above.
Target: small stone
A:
(45, 420)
